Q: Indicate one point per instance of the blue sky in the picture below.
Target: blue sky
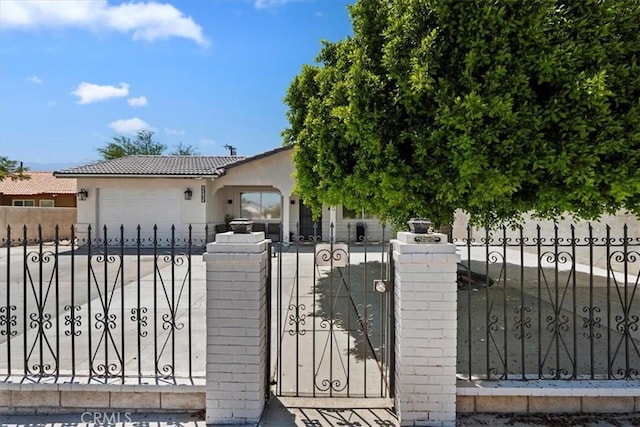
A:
(74, 74)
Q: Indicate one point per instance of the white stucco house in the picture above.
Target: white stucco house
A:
(199, 191)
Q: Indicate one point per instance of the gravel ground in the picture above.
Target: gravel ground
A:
(552, 420)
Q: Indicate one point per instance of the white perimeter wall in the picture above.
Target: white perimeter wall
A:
(599, 230)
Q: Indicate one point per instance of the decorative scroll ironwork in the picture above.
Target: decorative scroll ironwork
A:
(310, 235)
(557, 323)
(333, 323)
(105, 321)
(334, 320)
(8, 321)
(71, 291)
(166, 348)
(592, 322)
(72, 320)
(334, 255)
(625, 348)
(521, 322)
(496, 321)
(365, 319)
(574, 299)
(139, 316)
(41, 357)
(297, 320)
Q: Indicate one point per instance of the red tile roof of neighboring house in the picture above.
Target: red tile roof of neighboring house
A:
(40, 183)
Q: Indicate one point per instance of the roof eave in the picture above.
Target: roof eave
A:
(258, 156)
(140, 175)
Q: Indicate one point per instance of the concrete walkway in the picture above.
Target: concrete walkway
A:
(303, 413)
(277, 415)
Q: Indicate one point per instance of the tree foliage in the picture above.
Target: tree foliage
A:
(121, 146)
(496, 107)
(185, 150)
(144, 143)
(10, 169)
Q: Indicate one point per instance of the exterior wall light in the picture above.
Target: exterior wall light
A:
(83, 194)
(188, 194)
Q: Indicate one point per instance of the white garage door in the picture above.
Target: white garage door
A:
(146, 208)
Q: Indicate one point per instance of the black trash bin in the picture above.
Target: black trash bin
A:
(360, 227)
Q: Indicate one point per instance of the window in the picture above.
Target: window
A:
(47, 203)
(260, 205)
(356, 214)
(17, 202)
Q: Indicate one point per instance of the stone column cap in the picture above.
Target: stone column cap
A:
(235, 238)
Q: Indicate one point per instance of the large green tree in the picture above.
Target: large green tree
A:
(496, 107)
(144, 143)
(10, 169)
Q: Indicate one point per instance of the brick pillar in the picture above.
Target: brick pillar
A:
(425, 308)
(236, 328)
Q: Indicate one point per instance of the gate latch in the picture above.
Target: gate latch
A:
(382, 286)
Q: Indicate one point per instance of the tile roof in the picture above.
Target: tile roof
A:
(259, 156)
(154, 165)
(40, 183)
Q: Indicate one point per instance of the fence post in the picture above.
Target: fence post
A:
(237, 270)
(425, 307)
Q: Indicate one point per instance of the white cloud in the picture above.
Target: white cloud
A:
(129, 126)
(35, 79)
(140, 101)
(170, 131)
(147, 21)
(89, 92)
(265, 4)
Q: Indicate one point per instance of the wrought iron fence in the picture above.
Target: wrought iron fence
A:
(334, 330)
(103, 306)
(546, 306)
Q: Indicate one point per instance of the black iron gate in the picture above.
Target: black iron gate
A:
(333, 318)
